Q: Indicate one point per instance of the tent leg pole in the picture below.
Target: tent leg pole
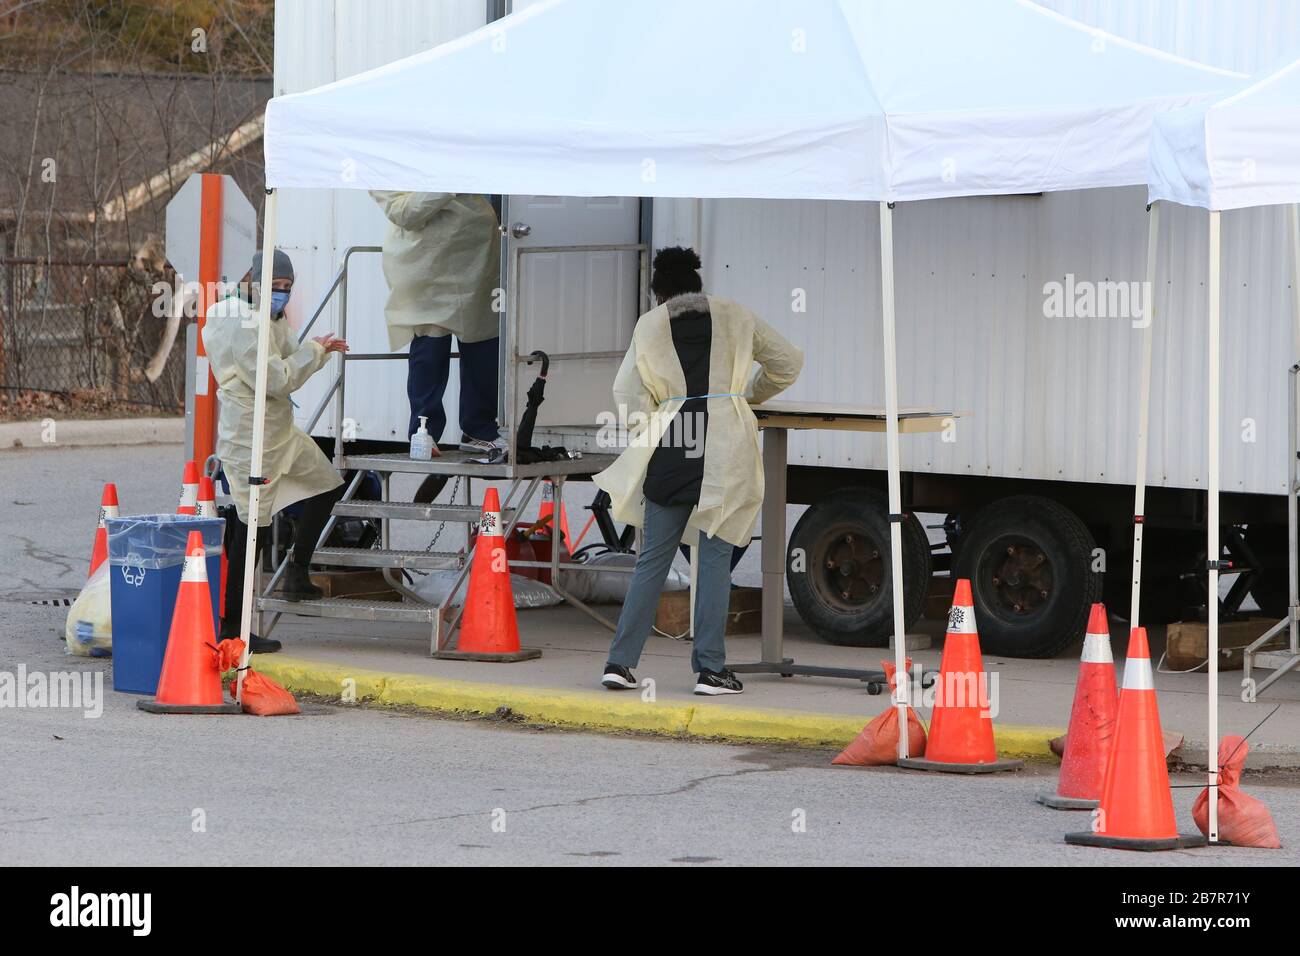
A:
(1212, 532)
(895, 482)
(263, 300)
(1293, 626)
(1144, 413)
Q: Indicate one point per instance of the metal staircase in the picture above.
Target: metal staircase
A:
(1256, 656)
(524, 482)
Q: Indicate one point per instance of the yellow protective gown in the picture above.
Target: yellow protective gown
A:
(295, 465)
(651, 382)
(442, 263)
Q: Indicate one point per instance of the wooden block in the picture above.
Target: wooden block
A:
(1188, 642)
(368, 584)
(938, 599)
(744, 613)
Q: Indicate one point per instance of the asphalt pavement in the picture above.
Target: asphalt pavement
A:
(350, 785)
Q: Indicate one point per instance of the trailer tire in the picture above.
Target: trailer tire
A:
(1029, 561)
(837, 566)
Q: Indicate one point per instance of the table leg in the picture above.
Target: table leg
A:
(773, 544)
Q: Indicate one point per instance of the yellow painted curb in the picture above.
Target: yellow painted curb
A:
(590, 711)
(786, 726)
(1018, 740)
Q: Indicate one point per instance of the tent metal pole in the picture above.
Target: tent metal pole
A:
(1212, 532)
(1144, 413)
(895, 482)
(1293, 625)
(259, 431)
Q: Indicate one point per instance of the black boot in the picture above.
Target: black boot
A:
(257, 645)
(297, 584)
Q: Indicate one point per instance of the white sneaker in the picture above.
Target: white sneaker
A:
(482, 444)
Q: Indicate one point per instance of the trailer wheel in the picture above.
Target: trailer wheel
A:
(837, 566)
(1029, 561)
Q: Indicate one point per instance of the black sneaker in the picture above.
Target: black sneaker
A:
(714, 683)
(618, 677)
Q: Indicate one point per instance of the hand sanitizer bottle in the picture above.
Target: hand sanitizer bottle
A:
(422, 443)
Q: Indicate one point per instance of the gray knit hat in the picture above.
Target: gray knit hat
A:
(281, 267)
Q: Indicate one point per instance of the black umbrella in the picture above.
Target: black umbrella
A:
(525, 452)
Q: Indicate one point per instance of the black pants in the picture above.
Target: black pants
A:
(306, 532)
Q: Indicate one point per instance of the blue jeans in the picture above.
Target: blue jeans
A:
(429, 365)
(659, 539)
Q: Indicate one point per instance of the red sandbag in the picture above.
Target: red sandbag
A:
(877, 744)
(1243, 820)
(262, 696)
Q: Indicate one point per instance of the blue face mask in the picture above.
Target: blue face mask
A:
(279, 299)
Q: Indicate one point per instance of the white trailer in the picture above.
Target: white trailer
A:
(1042, 472)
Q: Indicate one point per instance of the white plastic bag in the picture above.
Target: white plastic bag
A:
(89, 629)
(433, 587)
(608, 586)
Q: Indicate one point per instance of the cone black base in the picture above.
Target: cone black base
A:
(1182, 841)
(920, 763)
(1057, 802)
(152, 706)
(523, 654)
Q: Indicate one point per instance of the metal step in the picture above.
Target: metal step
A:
(353, 609)
(382, 558)
(456, 462)
(410, 511)
(1272, 660)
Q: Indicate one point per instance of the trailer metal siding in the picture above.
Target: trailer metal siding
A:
(1050, 398)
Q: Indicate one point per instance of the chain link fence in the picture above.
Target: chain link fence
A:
(88, 329)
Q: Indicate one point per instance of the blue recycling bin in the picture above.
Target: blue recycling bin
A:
(145, 555)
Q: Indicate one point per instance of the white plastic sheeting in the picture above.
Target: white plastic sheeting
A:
(810, 99)
(1242, 150)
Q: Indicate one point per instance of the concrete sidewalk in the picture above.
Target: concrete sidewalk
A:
(390, 664)
(52, 433)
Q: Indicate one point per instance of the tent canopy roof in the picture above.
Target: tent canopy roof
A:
(1241, 150)
(808, 99)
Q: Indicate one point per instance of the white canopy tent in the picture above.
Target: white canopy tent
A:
(1239, 151)
(796, 99)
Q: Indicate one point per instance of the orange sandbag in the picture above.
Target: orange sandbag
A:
(263, 697)
(877, 744)
(1243, 820)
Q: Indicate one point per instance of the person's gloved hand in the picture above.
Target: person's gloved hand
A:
(330, 343)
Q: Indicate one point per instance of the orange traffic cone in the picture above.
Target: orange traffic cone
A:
(489, 631)
(207, 508)
(1092, 722)
(107, 509)
(547, 510)
(188, 504)
(190, 682)
(1137, 806)
(961, 728)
